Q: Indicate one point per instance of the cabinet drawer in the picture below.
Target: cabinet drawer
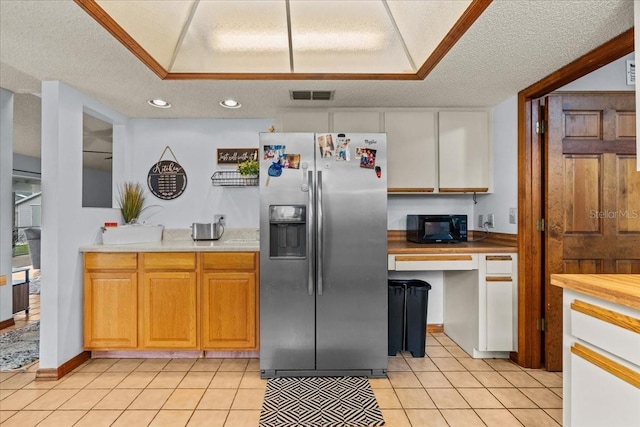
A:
(110, 261)
(611, 331)
(499, 264)
(436, 262)
(169, 261)
(229, 261)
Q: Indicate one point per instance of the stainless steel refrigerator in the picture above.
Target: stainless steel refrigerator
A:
(323, 254)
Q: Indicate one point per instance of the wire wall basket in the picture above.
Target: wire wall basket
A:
(233, 179)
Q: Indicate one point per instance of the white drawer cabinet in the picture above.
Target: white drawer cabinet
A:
(601, 362)
(498, 300)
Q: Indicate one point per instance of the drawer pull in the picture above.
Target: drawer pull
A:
(614, 368)
(499, 279)
(622, 320)
(435, 258)
(499, 258)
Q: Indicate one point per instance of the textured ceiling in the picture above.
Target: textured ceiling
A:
(514, 43)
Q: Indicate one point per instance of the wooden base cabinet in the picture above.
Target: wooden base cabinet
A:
(229, 301)
(110, 301)
(171, 301)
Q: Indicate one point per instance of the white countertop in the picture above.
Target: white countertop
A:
(179, 240)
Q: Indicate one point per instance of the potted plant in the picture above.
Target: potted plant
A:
(249, 169)
(131, 199)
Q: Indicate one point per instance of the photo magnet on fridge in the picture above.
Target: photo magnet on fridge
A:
(368, 158)
(325, 144)
(275, 153)
(292, 161)
(342, 152)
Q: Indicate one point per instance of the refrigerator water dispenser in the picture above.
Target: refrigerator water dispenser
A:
(287, 231)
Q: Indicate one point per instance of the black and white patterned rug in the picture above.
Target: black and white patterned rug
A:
(320, 402)
(19, 347)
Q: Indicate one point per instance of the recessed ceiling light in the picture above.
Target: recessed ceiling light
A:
(230, 103)
(159, 103)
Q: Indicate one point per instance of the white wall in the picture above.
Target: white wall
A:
(194, 143)
(505, 170)
(399, 206)
(6, 207)
(65, 224)
(611, 77)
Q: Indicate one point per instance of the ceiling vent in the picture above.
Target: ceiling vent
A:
(311, 95)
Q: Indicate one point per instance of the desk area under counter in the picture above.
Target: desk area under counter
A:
(474, 289)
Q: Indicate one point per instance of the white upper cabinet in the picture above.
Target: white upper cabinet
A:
(356, 121)
(411, 151)
(304, 121)
(464, 151)
(429, 151)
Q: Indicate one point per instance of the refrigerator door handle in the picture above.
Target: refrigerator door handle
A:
(320, 240)
(310, 232)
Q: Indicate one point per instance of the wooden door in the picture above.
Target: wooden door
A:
(593, 196)
(110, 310)
(229, 311)
(169, 310)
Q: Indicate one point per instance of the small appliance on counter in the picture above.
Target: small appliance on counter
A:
(437, 228)
(206, 231)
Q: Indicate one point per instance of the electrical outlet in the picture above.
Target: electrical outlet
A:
(490, 220)
(512, 215)
(220, 219)
(481, 221)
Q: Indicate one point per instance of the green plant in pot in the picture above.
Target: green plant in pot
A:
(249, 168)
(131, 199)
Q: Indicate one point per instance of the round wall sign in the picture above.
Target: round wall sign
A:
(167, 179)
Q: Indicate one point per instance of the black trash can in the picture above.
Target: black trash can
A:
(408, 303)
(396, 316)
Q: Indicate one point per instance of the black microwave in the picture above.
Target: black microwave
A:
(437, 228)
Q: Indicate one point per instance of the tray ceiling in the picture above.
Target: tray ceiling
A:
(301, 39)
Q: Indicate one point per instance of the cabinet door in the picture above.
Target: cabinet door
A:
(411, 151)
(464, 151)
(499, 314)
(356, 121)
(110, 310)
(304, 121)
(168, 310)
(229, 311)
(603, 392)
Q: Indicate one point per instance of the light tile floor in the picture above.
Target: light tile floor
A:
(447, 388)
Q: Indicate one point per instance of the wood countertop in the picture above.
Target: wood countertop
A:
(623, 289)
(495, 243)
(3, 280)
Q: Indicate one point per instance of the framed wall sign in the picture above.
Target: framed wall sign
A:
(167, 180)
(232, 156)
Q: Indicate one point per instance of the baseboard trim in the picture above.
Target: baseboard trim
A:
(54, 374)
(229, 354)
(146, 354)
(434, 328)
(6, 323)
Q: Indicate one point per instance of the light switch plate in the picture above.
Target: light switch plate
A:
(512, 215)
(490, 221)
(481, 221)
